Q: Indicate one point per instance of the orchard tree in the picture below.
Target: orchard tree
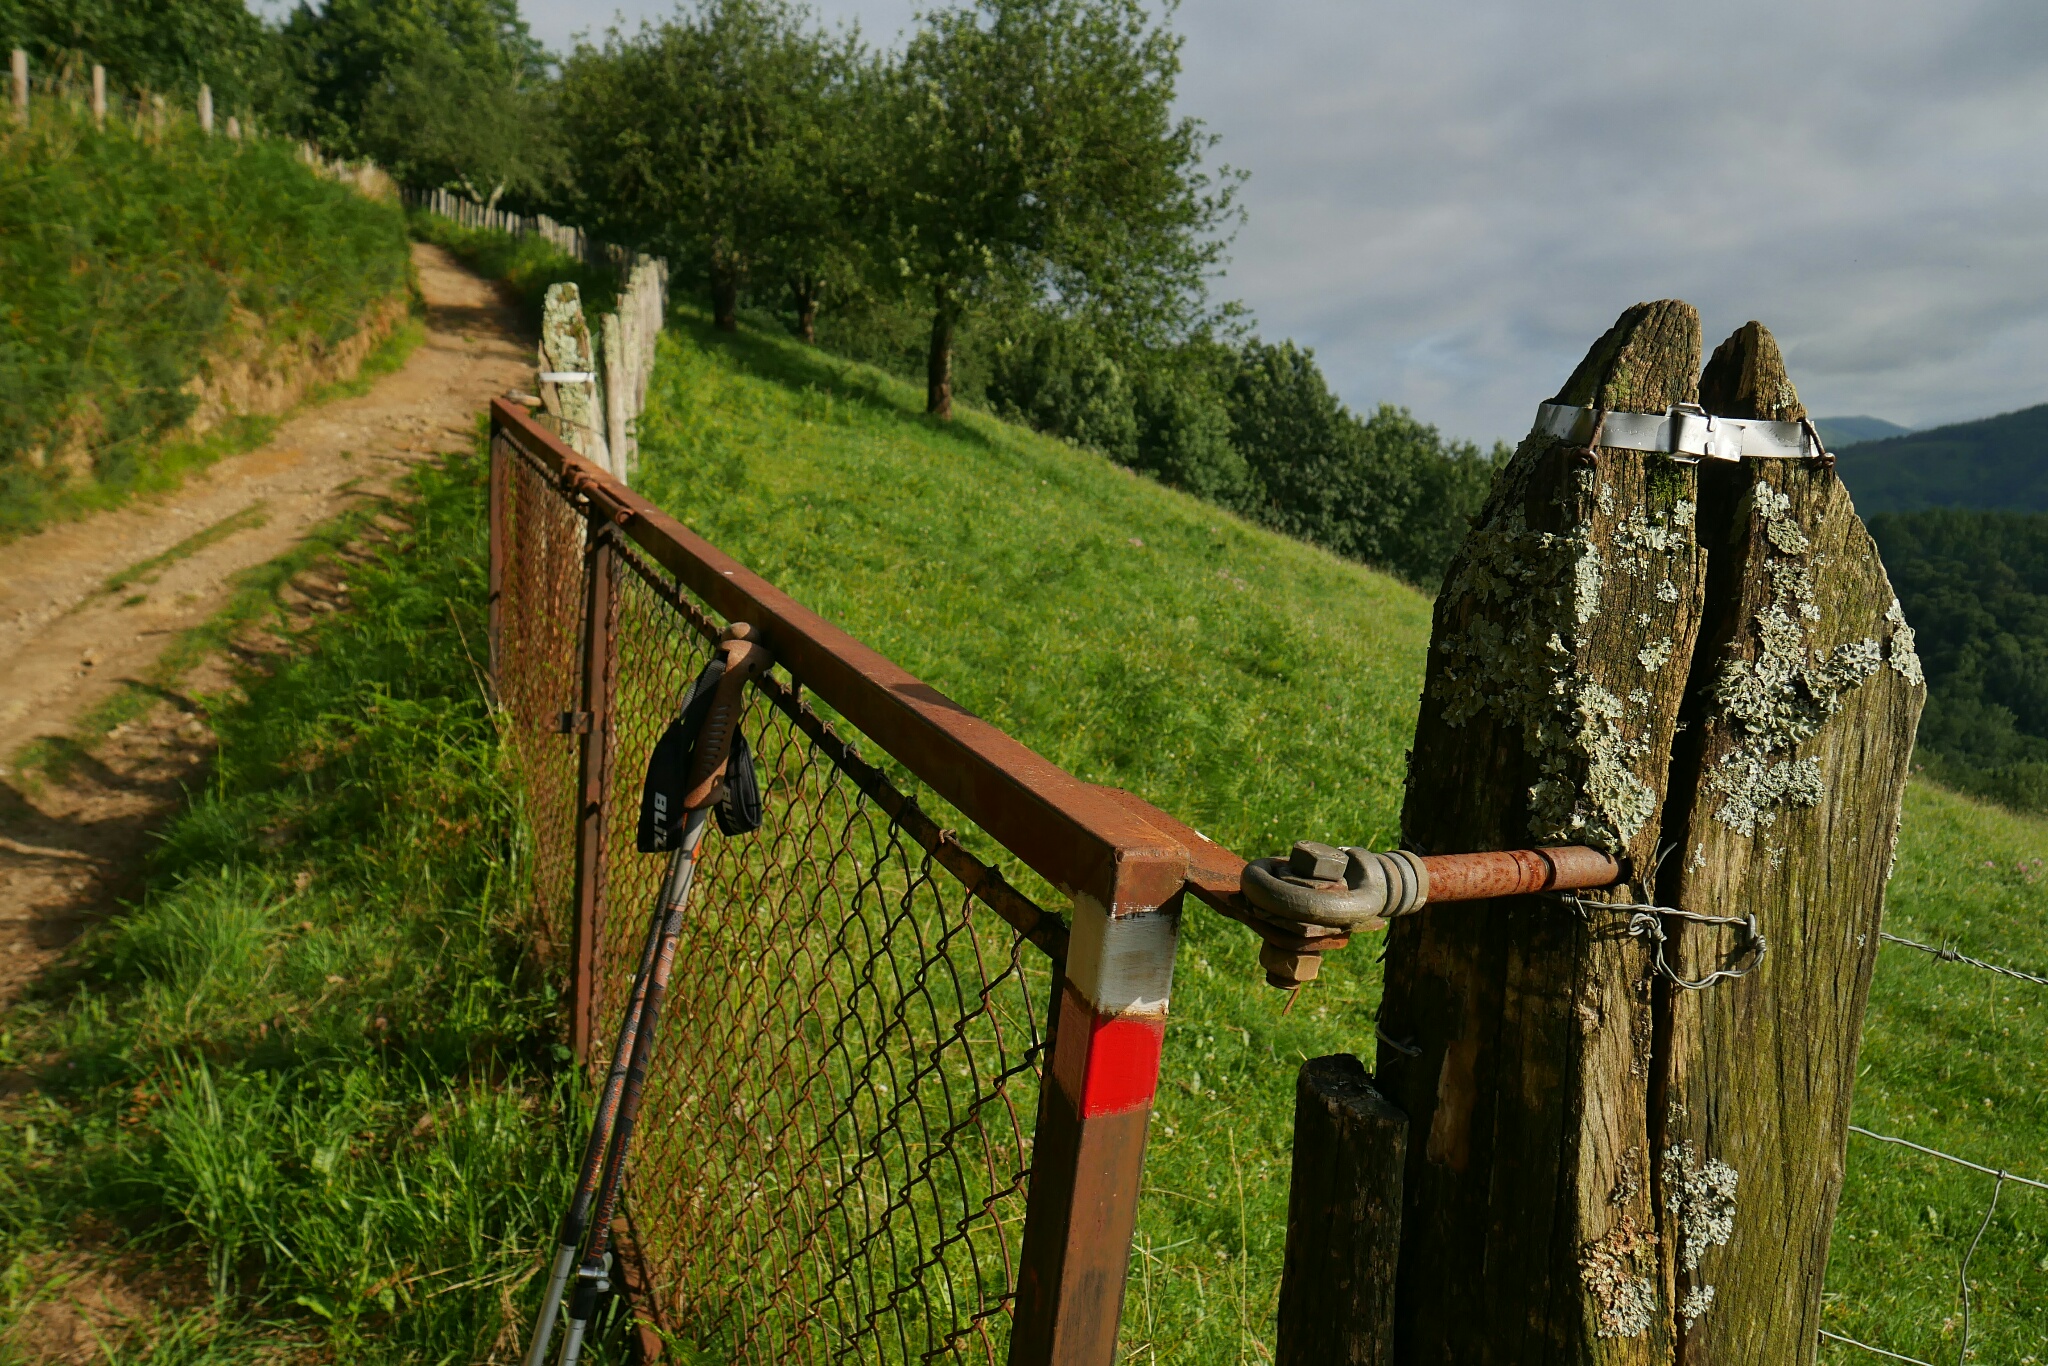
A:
(1036, 155)
(721, 137)
(438, 118)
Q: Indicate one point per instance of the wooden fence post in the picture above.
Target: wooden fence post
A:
(18, 63)
(206, 110)
(1784, 803)
(1343, 1220)
(1697, 666)
(594, 721)
(1557, 663)
(99, 95)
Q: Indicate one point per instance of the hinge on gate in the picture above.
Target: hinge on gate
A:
(573, 722)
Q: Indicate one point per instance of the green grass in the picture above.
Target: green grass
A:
(1266, 691)
(313, 1071)
(1955, 1059)
(127, 260)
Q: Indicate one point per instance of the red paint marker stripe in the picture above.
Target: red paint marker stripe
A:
(1123, 1065)
(1116, 1067)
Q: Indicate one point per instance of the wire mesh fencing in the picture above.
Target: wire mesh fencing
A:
(838, 1130)
(1961, 1326)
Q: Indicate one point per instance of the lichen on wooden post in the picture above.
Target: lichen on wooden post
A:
(1784, 803)
(1561, 646)
(1701, 668)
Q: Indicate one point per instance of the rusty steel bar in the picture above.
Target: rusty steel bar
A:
(593, 720)
(1108, 1028)
(1518, 872)
(1066, 831)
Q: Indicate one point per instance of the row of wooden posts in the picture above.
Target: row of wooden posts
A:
(18, 64)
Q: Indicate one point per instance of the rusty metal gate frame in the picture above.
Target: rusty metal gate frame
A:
(560, 565)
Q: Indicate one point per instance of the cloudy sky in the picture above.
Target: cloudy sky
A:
(1449, 199)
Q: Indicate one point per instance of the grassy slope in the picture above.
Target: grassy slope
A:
(126, 260)
(1265, 691)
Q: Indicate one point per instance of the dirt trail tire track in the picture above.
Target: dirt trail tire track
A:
(70, 851)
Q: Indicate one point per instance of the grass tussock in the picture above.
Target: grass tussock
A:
(313, 1073)
(128, 258)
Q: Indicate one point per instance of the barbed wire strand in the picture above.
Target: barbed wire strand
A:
(1895, 1356)
(1949, 955)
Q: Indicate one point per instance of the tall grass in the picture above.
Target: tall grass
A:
(127, 258)
(315, 1069)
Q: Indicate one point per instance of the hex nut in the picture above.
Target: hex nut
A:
(1288, 969)
(1322, 862)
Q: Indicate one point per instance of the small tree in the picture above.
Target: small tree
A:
(1035, 151)
(715, 137)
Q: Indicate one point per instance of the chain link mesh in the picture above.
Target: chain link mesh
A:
(832, 1159)
(539, 673)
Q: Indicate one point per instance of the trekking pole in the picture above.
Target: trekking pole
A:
(701, 762)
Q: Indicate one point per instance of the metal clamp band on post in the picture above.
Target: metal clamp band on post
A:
(1686, 432)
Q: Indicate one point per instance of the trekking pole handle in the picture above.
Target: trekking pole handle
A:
(745, 658)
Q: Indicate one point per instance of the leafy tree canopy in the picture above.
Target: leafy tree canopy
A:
(1037, 153)
(168, 47)
(725, 138)
(1974, 585)
(357, 63)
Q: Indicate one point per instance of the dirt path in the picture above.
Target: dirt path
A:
(87, 608)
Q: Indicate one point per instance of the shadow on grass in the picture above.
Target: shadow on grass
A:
(788, 362)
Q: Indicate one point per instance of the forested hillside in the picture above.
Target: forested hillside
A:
(1975, 587)
(1847, 431)
(158, 276)
(1996, 463)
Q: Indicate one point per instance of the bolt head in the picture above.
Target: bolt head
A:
(1318, 861)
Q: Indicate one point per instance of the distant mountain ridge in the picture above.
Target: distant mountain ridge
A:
(1847, 431)
(1994, 464)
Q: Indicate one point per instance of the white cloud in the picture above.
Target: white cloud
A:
(1451, 198)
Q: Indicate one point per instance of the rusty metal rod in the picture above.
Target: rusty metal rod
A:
(1517, 872)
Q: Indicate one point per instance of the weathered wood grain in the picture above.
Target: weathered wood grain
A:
(1343, 1220)
(1561, 647)
(1784, 801)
